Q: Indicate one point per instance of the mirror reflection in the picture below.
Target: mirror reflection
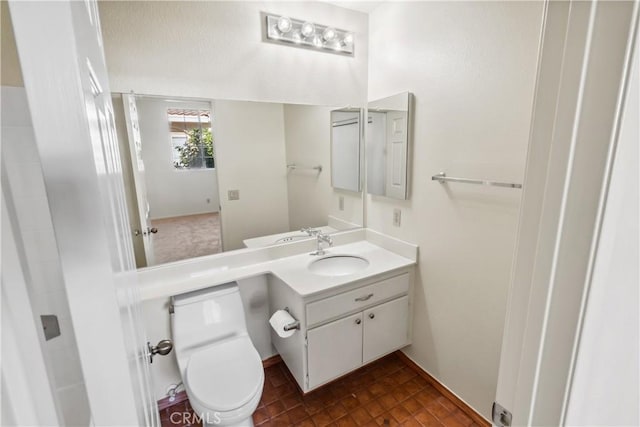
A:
(346, 132)
(208, 176)
(388, 128)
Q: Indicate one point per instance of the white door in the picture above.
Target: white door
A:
(583, 68)
(64, 71)
(137, 164)
(386, 328)
(334, 349)
(396, 173)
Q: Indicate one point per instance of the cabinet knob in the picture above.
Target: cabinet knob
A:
(371, 315)
(358, 321)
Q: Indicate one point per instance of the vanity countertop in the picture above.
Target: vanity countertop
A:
(288, 262)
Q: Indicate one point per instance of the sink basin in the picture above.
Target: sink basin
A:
(338, 265)
(293, 238)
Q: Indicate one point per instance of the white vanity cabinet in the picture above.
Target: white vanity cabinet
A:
(385, 327)
(334, 349)
(342, 331)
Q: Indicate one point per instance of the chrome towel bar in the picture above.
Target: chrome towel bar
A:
(442, 177)
(293, 166)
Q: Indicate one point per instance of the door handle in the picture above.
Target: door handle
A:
(150, 230)
(364, 298)
(163, 348)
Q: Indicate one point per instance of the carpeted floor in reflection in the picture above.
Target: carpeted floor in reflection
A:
(185, 237)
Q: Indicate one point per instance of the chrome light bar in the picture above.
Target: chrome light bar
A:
(295, 32)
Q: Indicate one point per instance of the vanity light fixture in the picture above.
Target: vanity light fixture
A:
(296, 32)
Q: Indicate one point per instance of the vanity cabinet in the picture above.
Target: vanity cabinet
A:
(342, 331)
(334, 349)
(385, 328)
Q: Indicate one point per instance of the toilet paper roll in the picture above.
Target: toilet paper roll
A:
(278, 321)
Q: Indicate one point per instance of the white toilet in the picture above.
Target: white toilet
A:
(221, 369)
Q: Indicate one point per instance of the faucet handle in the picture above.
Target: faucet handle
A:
(325, 238)
(310, 231)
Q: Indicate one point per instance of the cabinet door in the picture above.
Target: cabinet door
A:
(334, 349)
(386, 328)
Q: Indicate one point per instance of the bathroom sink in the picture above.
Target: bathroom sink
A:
(293, 238)
(338, 265)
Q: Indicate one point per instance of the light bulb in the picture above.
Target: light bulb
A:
(348, 39)
(317, 41)
(329, 34)
(336, 45)
(307, 29)
(297, 38)
(284, 24)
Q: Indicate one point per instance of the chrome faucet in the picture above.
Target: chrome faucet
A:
(310, 231)
(321, 237)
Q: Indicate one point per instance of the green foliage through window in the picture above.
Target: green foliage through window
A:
(197, 151)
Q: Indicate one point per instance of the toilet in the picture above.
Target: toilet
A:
(221, 369)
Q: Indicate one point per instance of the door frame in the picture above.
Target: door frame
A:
(27, 393)
(79, 179)
(581, 86)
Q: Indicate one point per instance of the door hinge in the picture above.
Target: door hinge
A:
(50, 326)
(500, 416)
(306, 341)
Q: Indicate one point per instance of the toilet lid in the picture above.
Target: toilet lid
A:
(225, 376)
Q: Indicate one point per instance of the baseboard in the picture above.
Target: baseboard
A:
(273, 360)
(475, 416)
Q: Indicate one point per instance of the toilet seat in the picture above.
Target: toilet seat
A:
(225, 376)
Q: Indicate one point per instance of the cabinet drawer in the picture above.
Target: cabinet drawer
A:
(365, 296)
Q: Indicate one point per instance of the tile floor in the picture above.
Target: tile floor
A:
(384, 393)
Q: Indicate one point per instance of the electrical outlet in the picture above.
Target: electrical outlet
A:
(234, 195)
(341, 203)
(397, 217)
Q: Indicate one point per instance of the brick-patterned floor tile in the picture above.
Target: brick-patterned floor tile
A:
(336, 411)
(399, 413)
(384, 393)
(438, 410)
(361, 416)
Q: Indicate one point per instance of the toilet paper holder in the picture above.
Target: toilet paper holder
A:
(293, 325)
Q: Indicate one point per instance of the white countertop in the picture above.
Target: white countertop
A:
(288, 262)
(258, 242)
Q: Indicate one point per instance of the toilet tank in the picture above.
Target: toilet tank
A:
(206, 316)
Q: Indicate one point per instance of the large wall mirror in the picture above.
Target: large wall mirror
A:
(388, 138)
(206, 176)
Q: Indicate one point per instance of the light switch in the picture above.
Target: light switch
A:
(234, 195)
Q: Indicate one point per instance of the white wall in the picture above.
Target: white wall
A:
(172, 192)
(214, 50)
(604, 389)
(471, 67)
(307, 137)
(26, 193)
(249, 142)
